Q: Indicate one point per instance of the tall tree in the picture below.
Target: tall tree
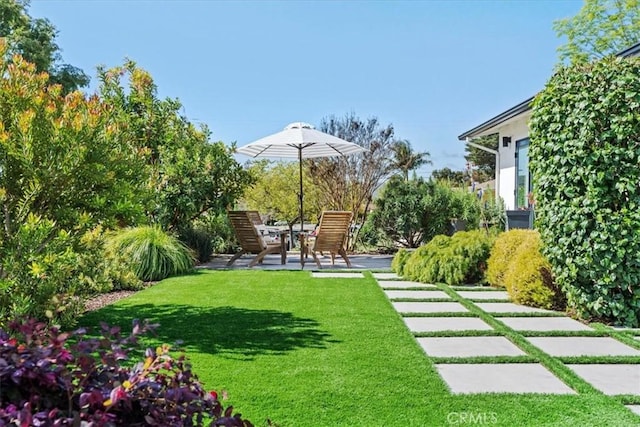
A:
(187, 175)
(484, 163)
(405, 159)
(62, 158)
(35, 40)
(601, 27)
(348, 183)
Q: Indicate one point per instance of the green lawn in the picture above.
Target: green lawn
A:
(327, 352)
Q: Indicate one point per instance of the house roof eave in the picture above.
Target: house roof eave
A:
(632, 51)
(517, 110)
(525, 106)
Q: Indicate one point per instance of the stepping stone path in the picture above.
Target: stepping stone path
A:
(483, 295)
(469, 346)
(429, 307)
(583, 346)
(386, 276)
(403, 284)
(463, 378)
(501, 378)
(543, 324)
(509, 307)
(611, 379)
(329, 275)
(443, 324)
(416, 294)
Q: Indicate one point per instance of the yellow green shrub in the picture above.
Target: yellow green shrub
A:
(502, 254)
(453, 260)
(399, 261)
(528, 277)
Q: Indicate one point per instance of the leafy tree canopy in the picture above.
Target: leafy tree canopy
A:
(484, 163)
(453, 178)
(186, 175)
(601, 27)
(348, 183)
(66, 159)
(276, 190)
(35, 40)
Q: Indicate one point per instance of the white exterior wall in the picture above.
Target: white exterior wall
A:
(517, 129)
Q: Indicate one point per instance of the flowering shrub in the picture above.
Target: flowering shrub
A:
(49, 378)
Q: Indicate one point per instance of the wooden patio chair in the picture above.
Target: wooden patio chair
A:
(331, 236)
(251, 242)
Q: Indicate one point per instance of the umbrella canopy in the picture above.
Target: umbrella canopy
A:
(300, 140)
(298, 137)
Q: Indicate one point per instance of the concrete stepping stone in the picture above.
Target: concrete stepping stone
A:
(438, 324)
(469, 346)
(482, 295)
(468, 378)
(634, 408)
(429, 307)
(402, 284)
(543, 324)
(509, 307)
(416, 294)
(386, 276)
(329, 275)
(611, 379)
(583, 346)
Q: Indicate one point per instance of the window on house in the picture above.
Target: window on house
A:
(523, 175)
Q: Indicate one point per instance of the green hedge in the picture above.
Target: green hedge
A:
(585, 152)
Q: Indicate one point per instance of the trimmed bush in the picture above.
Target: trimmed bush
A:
(528, 278)
(585, 151)
(517, 264)
(399, 261)
(155, 255)
(453, 260)
(502, 253)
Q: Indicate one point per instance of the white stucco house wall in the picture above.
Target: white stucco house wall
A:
(513, 181)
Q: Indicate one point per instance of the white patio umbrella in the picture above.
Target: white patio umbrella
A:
(300, 140)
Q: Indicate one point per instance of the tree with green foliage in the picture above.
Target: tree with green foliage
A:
(66, 167)
(276, 189)
(454, 178)
(67, 159)
(400, 211)
(585, 151)
(484, 163)
(35, 40)
(412, 212)
(348, 183)
(187, 175)
(405, 159)
(601, 28)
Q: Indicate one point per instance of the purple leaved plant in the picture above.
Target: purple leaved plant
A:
(50, 378)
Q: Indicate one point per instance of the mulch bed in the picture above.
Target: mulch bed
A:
(100, 301)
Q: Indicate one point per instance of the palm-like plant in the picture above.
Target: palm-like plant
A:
(405, 159)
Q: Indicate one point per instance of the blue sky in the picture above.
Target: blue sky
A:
(433, 69)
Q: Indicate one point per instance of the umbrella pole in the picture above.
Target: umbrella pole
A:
(301, 211)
